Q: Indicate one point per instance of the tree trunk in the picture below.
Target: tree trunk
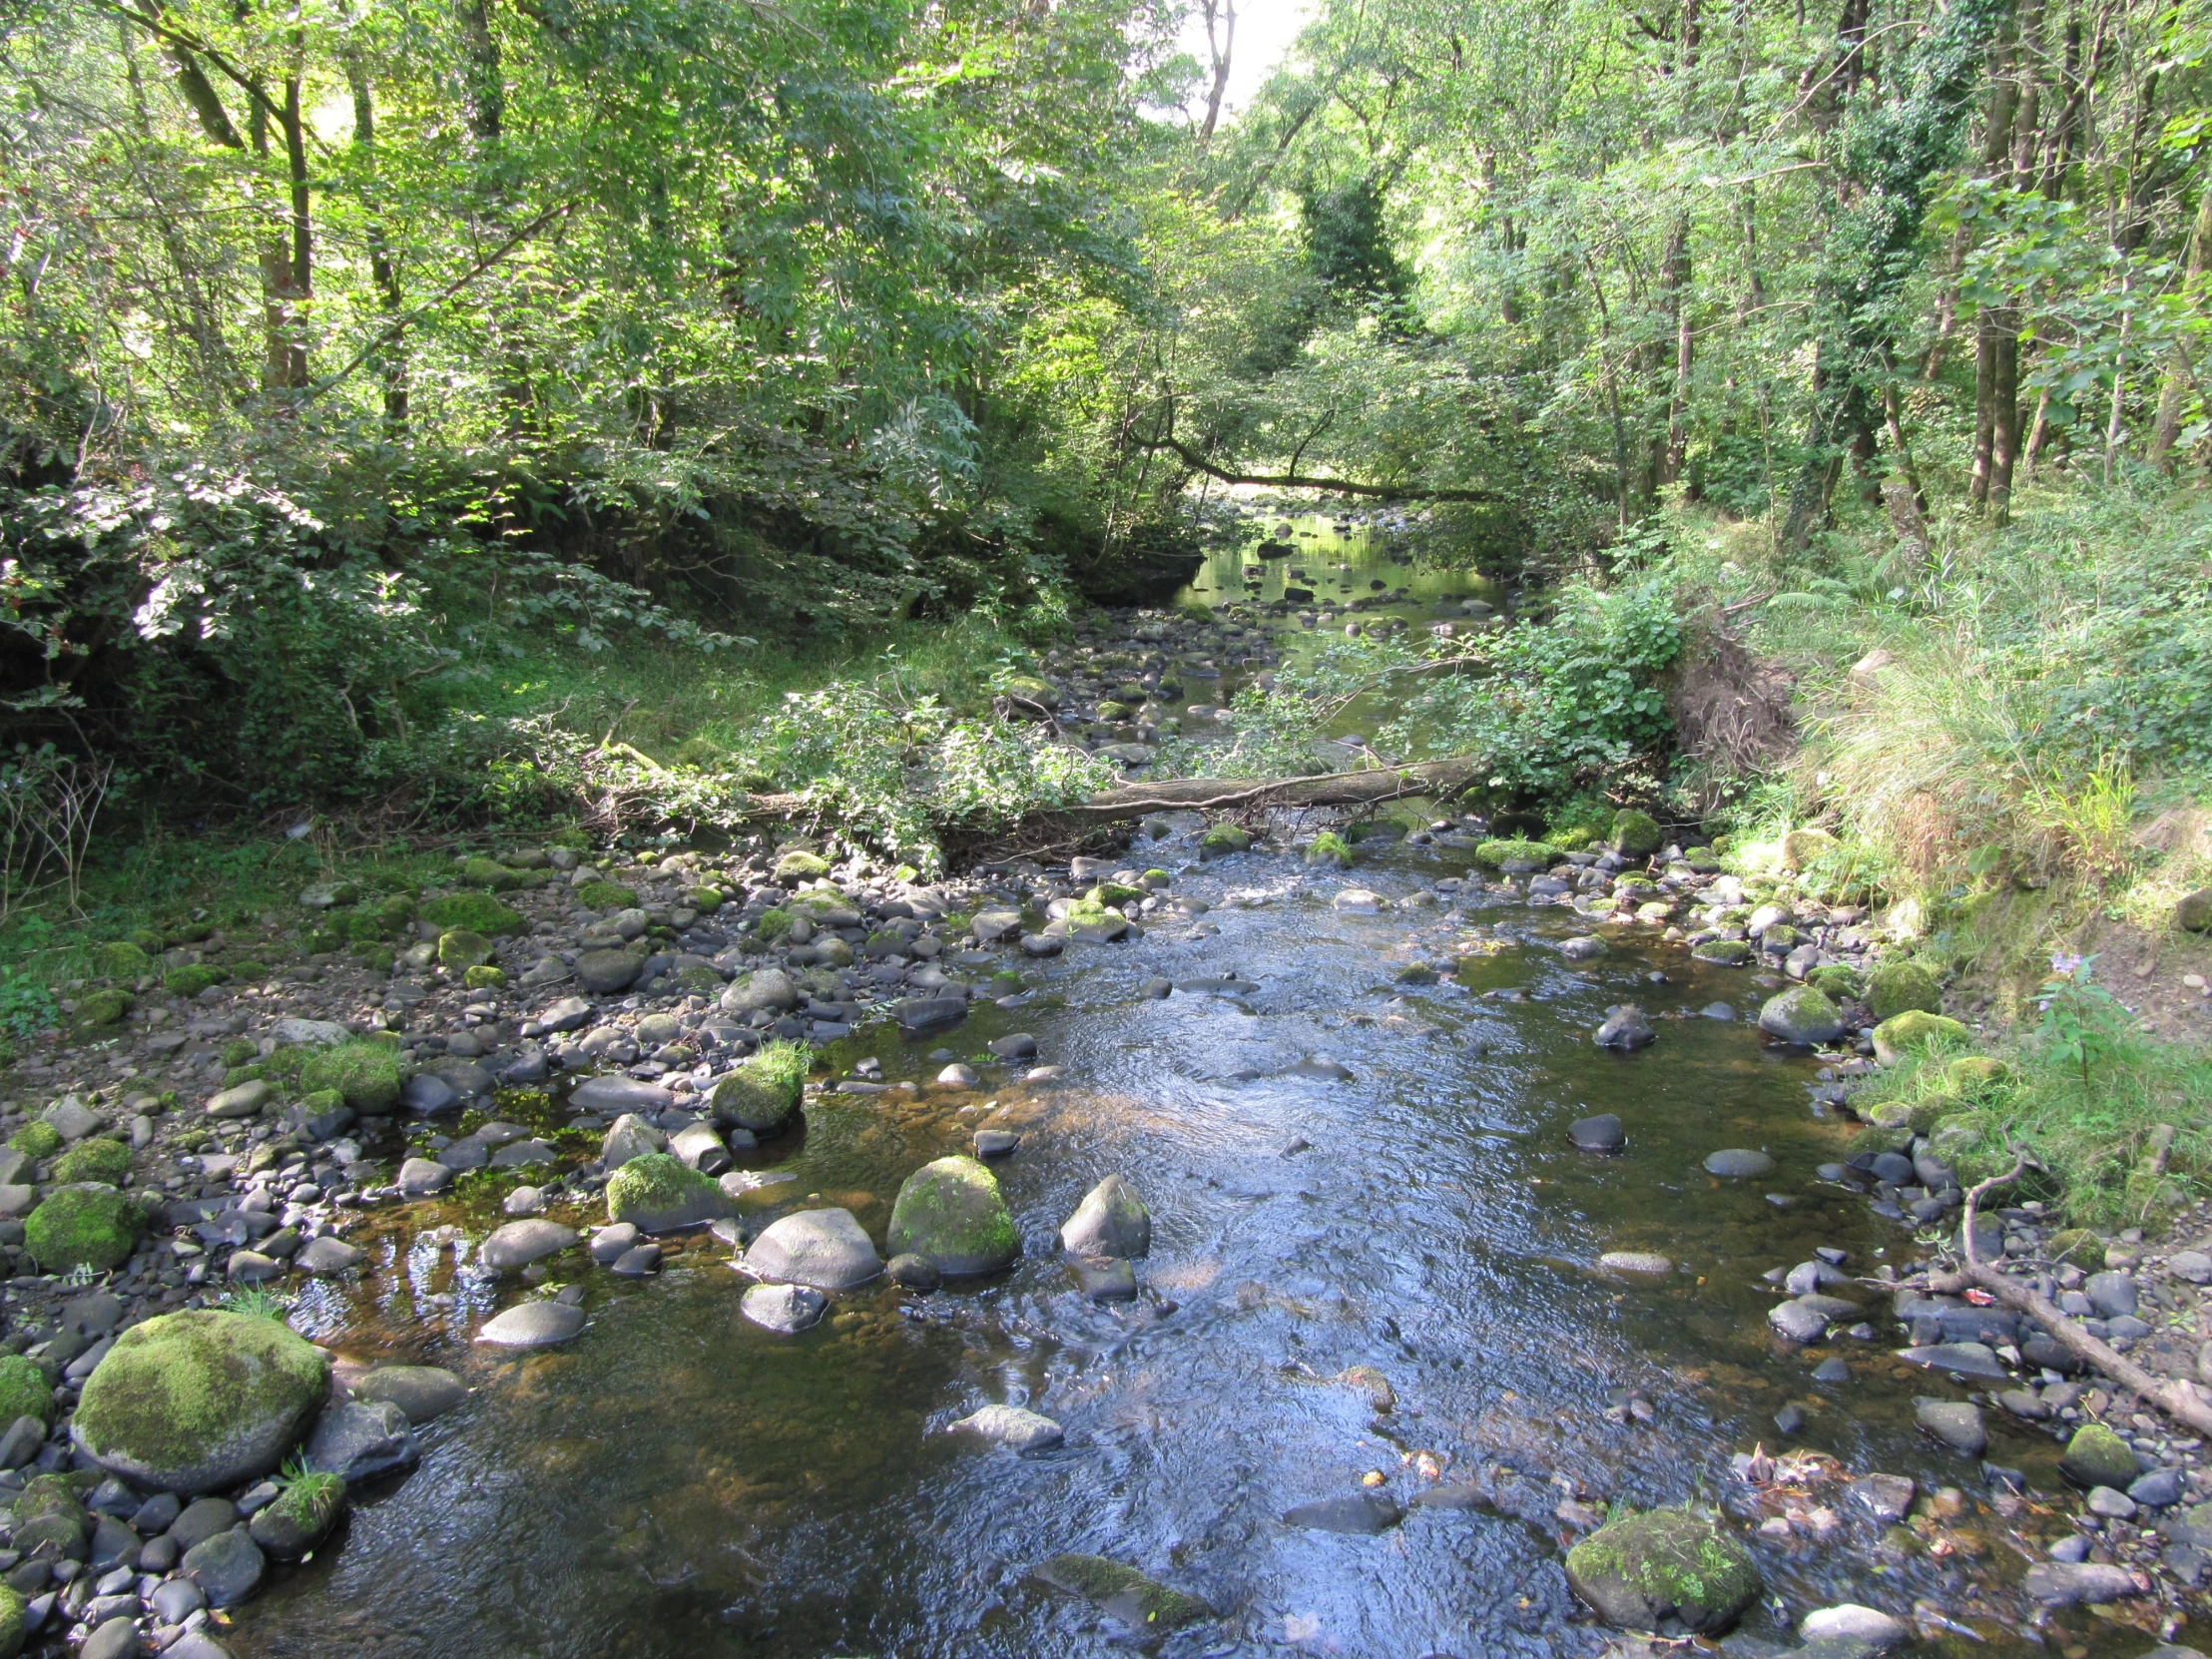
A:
(390, 358)
(1677, 443)
(2168, 431)
(1222, 51)
(1996, 156)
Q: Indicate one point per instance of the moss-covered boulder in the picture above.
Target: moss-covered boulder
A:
(301, 1515)
(1972, 1073)
(1801, 1015)
(1516, 855)
(952, 1212)
(37, 1140)
(194, 1401)
(1665, 1565)
(762, 1093)
(606, 896)
(365, 1074)
(49, 1514)
(484, 977)
(1221, 839)
(1838, 982)
(473, 913)
(1901, 987)
(1330, 850)
(461, 949)
(489, 873)
(191, 979)
(87, 1225)
(120, 960)
(799, 865)
(1043, 693)
(101, 1008)
(1128, 1596)
(97, 1159)
(23, 1390)
(2096, 1457)
(1634, 834)
(657, 1193)
(2078, 1246)
(1899, 1034)
(11, 1621)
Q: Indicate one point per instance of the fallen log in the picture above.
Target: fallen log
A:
(1370, 787)
(2176, 1399)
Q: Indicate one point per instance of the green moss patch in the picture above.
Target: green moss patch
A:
(1640, 1569)
(1634, 834)
(87, 1225)
(365, 1074)
(120, 960)
(1329, 848)
(37, 1140)
(474, 912)
(1497, 854)
(100, 1160)
(1903, 987)
(606, 896)
(23, 1390)
(100, 1008)
(760, 1094)
(1222, 840)
(191, 980)
(1122, 1591)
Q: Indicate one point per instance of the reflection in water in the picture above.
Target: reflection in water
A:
(678, 1484)
(1324, 561)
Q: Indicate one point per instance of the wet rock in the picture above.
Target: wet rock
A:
(2111, 1505)
(1104, 1278)
(1602, 1133)
(421, 1392)
(1320, 1068)
(915, 1273)
(1832, 1371)
(996, 1143)
(610, 1242)
(426, 1094)
(1954, 1422)
(1849, 1620)
(1625, 1029)
(637, 1262)
(2066, 1584)
(1641, 1262)
(771, 989)
(1735, 1162)
(227, 1567)
(326, 1255)
(2096, 1457)
(1586, 948)
(298, 1518)
(698, 1147)
(1017, 1045)
(928, 1013)
(957, 1076)
(114, 1638)
(950, 1211)
(523, 1201)
(519, 1243)
(360, 1440)
(1887, 1497)
(1805, 1319)
(201, 1520)
(1042, 944)
(1122, 1592)
(659, 1194)
(1012, 1426)
(1640, 1570)
(532, 1324)
(2159, 1489)
(825, 1249)
(1801, 1015)
(1357, 901)
(420, 1177)
(618, 1095)
(783, 1309)
(1353, 1512)
(1111, 1221)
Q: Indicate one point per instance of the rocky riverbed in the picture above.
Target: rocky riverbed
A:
(1205, 1240)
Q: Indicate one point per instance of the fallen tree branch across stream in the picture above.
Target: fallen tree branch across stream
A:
(2176, 1399)
(1370, 787)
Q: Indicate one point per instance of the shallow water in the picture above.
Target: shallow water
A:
(1334, 560)
(679, 1483)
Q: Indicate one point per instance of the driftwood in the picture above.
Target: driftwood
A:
(2176, 1399)
(1226, 794)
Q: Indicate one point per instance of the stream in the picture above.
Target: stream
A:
(679, 1483)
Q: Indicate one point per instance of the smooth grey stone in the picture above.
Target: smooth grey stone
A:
(532, 1324)
(175, 1600)
(156, 1514)
(227, 1567)
(1717, 1010)
(915, 1273)
(1156, 989)
(1111, 1221)
(1738, 1161)
(1321, 1068)
(611, 1241)
(2157, 1489)
(1961, 1359)
(1954, 1422)
(517, 1244)
(426, 1094)
(1801, 1320)
(116, 1636)
(326, 1255)
(1809, 1277)
(826, 1250)
(1042, 944)
(202, 1519)
(784, 1309)
(1017, 1045)
(628, 1137)
(635, 1261)
(420, 1177)
(1879, 1630)
(959, 1076)
(1012, 1426)
(924, 1014)
(196, 1644)
(466, 1154)
(2067, 1584)
(605, 1095)
(1354, 1513)
(360, 1440)
(700, 1148)
(996, 1143)
(421, 1392)
(1602, 1133)
(21, 1442)
(2111, 1292)
(1887, 1497)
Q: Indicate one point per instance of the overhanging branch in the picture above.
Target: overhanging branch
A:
(1292, 480)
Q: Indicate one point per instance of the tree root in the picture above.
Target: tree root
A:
(2176, 1399)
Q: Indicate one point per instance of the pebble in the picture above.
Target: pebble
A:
(1956, 1423)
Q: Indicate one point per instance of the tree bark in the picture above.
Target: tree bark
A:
(1675, 449)
(391, 358)
(1222, 51)
(2168, 431)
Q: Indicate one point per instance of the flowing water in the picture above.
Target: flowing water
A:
(679, 1484)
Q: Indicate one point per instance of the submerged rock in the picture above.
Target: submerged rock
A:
(1356, 1513)
(533, 1324)
(1125, 1593)
(1625, 1029)
(1012, 1426)
(1664, 1564)
(1602, 1133)
(784, 1309)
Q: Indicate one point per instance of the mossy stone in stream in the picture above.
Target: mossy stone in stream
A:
(461, 949)
(11, 1622)
(2096, 1457)
(23, 1390)
(90, 1224)
(1329, 848)
(1117, 893)
(1640, 1570)
(192, 1401)
(301, 1514)
(97, 1159)
(1529, 854)
(952, 1213)
(606, 896)
(365, 1074)
(1137, 1601)
(1838, 982)
(798, 867)
(658, 1194)
(762, 1093)
(1901, 1033)
(474, 912)
(1634, 834)
(1899, 987)
(2078, 1246)
(1222, 840)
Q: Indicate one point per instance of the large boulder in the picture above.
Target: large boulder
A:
(1801, 1015)
(762, 1093)
(1111, 1221)
(603, 972)
(1665, 1564)
(360, 1440)
(1899, 1034)
(656, 1194)
(194, 1401)
(87, 1225)
(1897, 987)
(951, 1212)
(825, 1249)
(1635, 833)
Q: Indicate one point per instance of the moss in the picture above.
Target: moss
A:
(474, 912)
(654, 1182)
(1902, 987)
(606, 896)
(1117, 894)
(2080, 1247)
(2096, 1457)
(87, 1225)
(1122, 1592)
(120, 960)
(1224, 838)
(298, 1516)
(365, 1073)
(1671, 1559)
(800, 865)
(484, 977)
(191, 980)
(1838, 980)
(1972, 1073)
(23, 1390)
(761, 1093)
(1880, 1138)
(248, 972)
(1497, 854)
(1913, 1029)
(99, 1160)
(489, 873)
(1329, 848)
(705, 900)
(37, 1140)
(1634, 834)
(952, 1211)
(317, 1101)
(202, 1396)
(378, 960)
(11, 1621)
(97, 1008)
(462, 949)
